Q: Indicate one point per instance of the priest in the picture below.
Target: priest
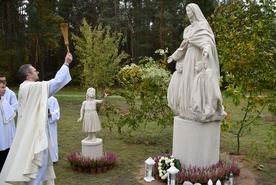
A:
(28, 161)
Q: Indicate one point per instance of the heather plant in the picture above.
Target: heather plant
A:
(93, 163)
(100, 161)
(195, 174)
(76, 159)
(72, 158)
(111, 157)
(85, 162)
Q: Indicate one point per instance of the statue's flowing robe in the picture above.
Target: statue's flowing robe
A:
(196, 38)
(206, 99)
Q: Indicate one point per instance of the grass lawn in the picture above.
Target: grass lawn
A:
(132, 156)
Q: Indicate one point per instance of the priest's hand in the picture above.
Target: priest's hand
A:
(68, 59)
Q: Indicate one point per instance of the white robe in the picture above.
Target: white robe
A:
(6, 137)
(54, 109)
(7, 127)
(28, 154)
(10, 96)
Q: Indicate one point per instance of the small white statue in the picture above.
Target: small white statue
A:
(173, 95)
(206, 100)
(89, 115)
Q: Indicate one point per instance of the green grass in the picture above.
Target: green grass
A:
(132, 156)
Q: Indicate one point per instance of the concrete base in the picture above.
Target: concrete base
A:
(196, 143)
(91, 148)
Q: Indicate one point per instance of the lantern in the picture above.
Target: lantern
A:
(149, 163)
(172, 171)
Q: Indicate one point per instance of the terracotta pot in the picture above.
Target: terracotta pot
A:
(99, 169)
(73, 168)
(105, 168)
(93, 170)
(86, 170)
(80, 169)
(109, 167)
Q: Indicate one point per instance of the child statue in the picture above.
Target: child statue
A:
(206, 100)
(89, 115)
(173, 95)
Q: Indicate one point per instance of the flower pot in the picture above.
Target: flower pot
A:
(80, 169)
(109, 167)
(105, 168)
(73, 168)
(93, 170)
(99, 169)
(86, 170)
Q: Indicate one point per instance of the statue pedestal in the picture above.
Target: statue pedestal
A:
(91, 148)
(196, 143)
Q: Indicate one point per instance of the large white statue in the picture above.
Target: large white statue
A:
(194, 94)
(198, 45)
(89, 115)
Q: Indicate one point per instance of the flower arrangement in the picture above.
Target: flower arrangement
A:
(77, 160)
(164, 163)
(194, 174)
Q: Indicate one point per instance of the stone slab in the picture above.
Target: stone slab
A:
(196, 143)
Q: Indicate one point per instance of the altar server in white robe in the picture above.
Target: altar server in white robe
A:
(9, 95)
(28, 161)
(7, 127)
(53, 116)
(11, 98)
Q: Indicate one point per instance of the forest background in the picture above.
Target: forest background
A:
(31, 29)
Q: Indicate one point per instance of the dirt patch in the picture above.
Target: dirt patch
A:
(245, 177)
(270, 118)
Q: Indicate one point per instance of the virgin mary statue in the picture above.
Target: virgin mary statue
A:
(198, 45)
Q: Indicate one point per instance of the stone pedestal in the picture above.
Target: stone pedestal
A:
(196, 143)
(91, 148)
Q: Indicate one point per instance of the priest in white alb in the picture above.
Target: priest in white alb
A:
(28, 161)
